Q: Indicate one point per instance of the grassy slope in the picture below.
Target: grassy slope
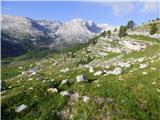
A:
(134, 97)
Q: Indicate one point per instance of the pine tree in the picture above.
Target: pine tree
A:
(109, 33)
(153, 29)
(122, 31)
(130, 25)
(103, 34)
(115, 29)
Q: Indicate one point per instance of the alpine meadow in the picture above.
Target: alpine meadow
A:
(80, 60)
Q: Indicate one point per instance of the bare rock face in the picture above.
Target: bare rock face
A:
(132, 45)
(17, 31)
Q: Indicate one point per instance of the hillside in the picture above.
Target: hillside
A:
(145, 28)
(110, 78)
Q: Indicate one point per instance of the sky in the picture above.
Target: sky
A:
(113, 13)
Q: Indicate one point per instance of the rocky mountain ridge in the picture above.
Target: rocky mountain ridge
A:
(23, 31)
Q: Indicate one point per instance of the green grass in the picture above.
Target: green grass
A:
(141, 100)
(132, 98)
(149, 51)
(41, 104)
(9, 73)
(144, 38)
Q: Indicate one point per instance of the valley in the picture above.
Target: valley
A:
(110, 78)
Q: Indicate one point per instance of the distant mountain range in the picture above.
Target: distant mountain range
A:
(20, 34)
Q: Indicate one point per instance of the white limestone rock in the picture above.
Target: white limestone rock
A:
(91, 70)
(132, 45)
(64, 81)
(158, 90)
(98, 85)
(123, 64)
(20, 67)
(31, 88)
(53, 90)
(74, 96)
(145, 73)
(34, 70)
(23, 73)
(30, 79)
(103, 54)
(98, 73)
(85, 99)
(153, 83)
(143, 66)
(81, 78)
(64, 70)
(152, 68)
(117, 71)
(52, 80)
(140, 59)
(65, 93)
(21, 108)
(34, 73)
(107, 67)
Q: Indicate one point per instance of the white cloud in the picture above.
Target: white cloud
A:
(122, 8)
(150, 7)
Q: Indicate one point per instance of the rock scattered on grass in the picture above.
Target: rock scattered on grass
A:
(20, 67)
(143, 66)
(107, 67)
(30, 79)
(81, 78)
(123, 64)
(52, 80)
(64, 70)
(64, 81)
(34, 70)
(31, 88)
(23, 73)
(98, 73)
(145, 73)
(85, 99)
(109, 100)
(152, 68)
(140, 59)
(153, 83)
(91, 70)
(21, 108)
(53, 90)
(98, 85)
(65, 93)
(74, 97)
(158, 90)
(116, 71)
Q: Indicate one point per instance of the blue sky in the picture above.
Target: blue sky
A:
(114, 13)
